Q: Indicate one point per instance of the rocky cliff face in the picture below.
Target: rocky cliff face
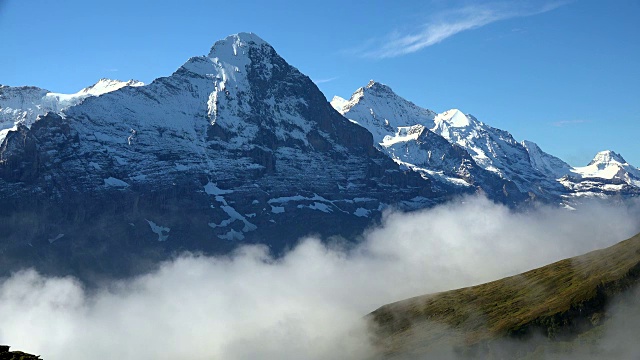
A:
(234, 146)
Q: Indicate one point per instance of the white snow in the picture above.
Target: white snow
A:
(396, 125)
(479, 140)
(213, 189)
(361, 212)
(454, 118)
(317, 206)
(24, 104)
(433, 174)
(159, 230)
(546, 163)
(403, 134)
(607, 165)
(339, 103)
(111, 181)
(285, 199)
(277, 209)
(378, 109)
(57, 237)
(103, 86)
(234, 215)
(315, 202)
(4, 132)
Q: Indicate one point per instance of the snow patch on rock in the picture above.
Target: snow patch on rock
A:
(159, 230)
(111, 181)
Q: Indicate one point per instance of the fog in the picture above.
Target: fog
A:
(309, 303)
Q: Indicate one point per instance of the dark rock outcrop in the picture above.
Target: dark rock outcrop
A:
(5, 354)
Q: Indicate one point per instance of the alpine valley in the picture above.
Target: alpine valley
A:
(239, 147)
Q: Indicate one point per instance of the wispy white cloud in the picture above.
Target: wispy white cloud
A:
(448, 23)
(322, 81)
(564, 123)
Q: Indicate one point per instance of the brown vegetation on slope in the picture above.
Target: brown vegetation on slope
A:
(559, 301)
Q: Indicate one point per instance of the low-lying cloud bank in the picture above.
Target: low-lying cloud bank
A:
(308, 304)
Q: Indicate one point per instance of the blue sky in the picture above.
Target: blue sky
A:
(565, 74)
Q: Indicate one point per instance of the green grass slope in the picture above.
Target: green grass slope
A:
(558, 302)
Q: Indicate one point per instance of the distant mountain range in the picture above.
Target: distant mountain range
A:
(454, 148)
(236, 147)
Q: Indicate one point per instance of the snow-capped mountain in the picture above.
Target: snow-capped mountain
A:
(400, 127)
(607, 174)
(497, 151)
(609, 165)
(396, 124)
(103, 86)
(237, 145)
(23, 104)
(378, 109)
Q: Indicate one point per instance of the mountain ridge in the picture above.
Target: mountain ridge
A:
(229, 149)
(233, 147)
(23, 104)
(524, 164)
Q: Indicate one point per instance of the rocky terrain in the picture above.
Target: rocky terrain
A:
(238, 146)
(235, 146)
(456, 149)
(5, 354)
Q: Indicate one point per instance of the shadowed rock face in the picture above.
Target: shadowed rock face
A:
(234, 147)
(5, 354)
(455, 161)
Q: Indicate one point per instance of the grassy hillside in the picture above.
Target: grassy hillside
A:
(559, 302)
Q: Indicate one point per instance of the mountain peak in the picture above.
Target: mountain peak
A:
(248, 37)
(373, 92)
(379, 87)
(455, 118)
(235, 44)
(339, 103)
(106, 85)
(377, 108)
(609, 165)
(607, 157)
